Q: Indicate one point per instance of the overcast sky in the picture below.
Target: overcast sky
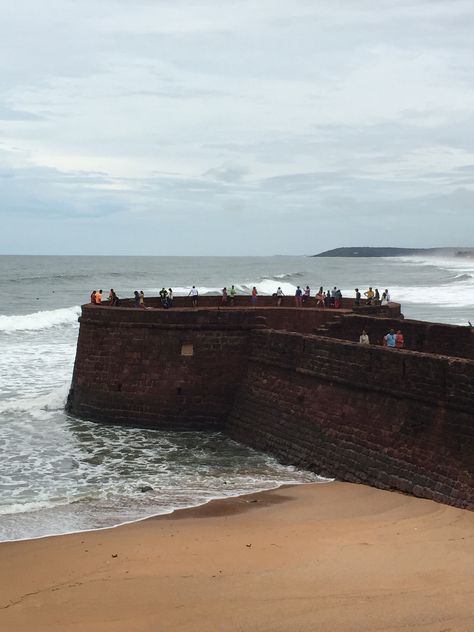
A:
(235, 126)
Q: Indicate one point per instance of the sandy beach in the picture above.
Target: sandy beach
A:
(330, 557)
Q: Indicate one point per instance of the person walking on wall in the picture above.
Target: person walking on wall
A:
(399, 340)
(364, 338)
(279, 296)
(194, 296)
(390, 339)
(254, 296)
(357, 298)
(232, 295)
(298, 294)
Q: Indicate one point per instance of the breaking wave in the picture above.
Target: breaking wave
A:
(39, 320)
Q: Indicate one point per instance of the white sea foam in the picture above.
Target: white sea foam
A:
(39, 320)
(36, 406)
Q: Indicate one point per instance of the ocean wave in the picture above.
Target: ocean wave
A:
(36, 406)
(39, 320)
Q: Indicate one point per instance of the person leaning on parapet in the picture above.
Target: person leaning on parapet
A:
(364, 338)
(370, 296)
(298, 294)
(399, 340)
(357, 298)
(232, 294)
(279, 296)
(113, 298)
(390, 339)
(194, 296)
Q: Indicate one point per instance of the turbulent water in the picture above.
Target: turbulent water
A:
(61, 474)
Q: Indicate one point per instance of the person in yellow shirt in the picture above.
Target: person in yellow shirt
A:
(370, 296)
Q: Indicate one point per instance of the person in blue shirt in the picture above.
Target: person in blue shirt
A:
(391, 339)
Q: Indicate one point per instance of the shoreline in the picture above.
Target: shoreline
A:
(339, 557)
(159, 515)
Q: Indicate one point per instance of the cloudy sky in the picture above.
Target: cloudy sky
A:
(235, 126)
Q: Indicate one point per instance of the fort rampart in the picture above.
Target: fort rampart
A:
(292, 382)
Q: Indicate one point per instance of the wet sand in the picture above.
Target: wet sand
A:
(331, 558)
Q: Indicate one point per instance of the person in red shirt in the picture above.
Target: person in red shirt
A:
(399, 340)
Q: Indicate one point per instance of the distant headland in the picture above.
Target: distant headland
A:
(365, 251)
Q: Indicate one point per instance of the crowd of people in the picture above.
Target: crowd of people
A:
(329, 298)
(324, 298)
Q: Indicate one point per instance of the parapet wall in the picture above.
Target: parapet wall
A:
(167, 369)
(436, 338)
(392, 419)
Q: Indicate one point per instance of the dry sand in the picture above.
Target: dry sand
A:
(333, 557)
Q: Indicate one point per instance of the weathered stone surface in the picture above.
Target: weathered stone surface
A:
(393, 419)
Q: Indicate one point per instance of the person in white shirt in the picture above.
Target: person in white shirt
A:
(364, 338)
(194, 295)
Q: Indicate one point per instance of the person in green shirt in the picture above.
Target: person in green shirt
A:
(232, 294)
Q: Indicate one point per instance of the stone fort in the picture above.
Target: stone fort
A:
(293, 382)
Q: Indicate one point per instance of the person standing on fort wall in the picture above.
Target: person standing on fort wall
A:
(399, 340)
(279, 296)
(357, 298)
(169, 300)
(136, 299)
(142, 299)
(337, 298)
(306, 295)
(376, 297)
(232, 294)
(93, 295)
(320, 298)
(254, 296)
(364, 338)
(370, 296)
(298, 294)
(390, 340)
(194, 296)
(98, 297)
(224, 297)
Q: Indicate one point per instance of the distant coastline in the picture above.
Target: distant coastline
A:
(365, 251)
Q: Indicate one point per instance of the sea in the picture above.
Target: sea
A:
(60, 474)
